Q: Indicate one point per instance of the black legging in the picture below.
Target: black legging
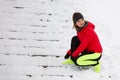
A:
(75, 42)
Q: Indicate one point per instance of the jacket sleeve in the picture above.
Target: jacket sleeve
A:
(69, 52)
(83, 44)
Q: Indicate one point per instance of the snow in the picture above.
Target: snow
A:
(35, 35)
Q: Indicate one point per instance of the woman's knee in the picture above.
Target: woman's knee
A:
(75, 39)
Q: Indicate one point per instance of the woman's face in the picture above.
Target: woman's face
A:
(80, 22)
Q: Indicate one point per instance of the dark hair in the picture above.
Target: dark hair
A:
(76, 17)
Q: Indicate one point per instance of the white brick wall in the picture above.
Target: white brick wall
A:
(32, 33)
(34, 37)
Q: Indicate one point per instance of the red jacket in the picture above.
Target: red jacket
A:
(89, 41)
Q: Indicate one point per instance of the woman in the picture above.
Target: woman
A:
(86, 49)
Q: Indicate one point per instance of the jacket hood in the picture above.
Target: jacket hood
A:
(91, 25)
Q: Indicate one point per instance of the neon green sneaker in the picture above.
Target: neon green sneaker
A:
(97, 68)
(68, 61)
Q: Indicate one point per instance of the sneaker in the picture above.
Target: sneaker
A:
(97, 68)
(68, 61)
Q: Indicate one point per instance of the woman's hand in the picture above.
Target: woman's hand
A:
(66, 56)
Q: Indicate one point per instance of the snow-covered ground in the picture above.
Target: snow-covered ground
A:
(35, 35)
